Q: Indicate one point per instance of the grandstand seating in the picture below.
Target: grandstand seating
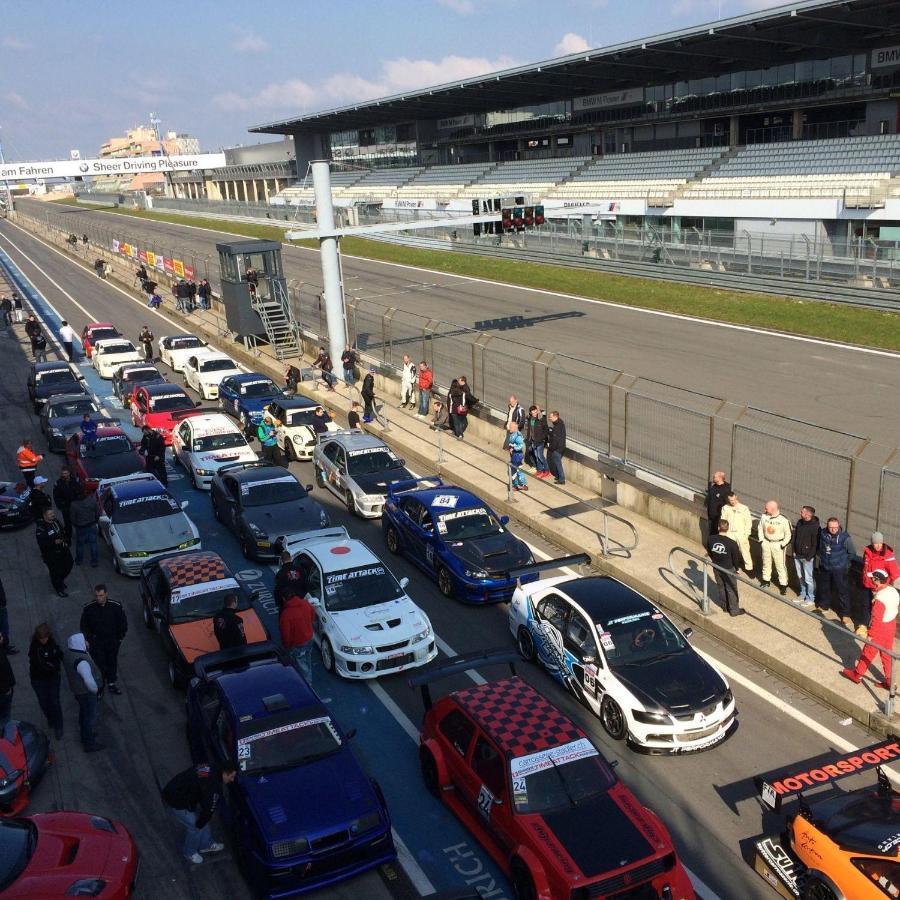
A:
(302, 192)
(443, 182)
(855, 168)
(530, 177)
(378, 184)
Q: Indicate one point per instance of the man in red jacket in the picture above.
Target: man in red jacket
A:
(296, 624)
(426, 380)
(882, 630)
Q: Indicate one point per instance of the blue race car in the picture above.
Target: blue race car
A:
(246, 396)
(303, 812)
(456, 538)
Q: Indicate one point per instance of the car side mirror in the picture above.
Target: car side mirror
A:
(688, 632)
(350, 734)
(185, 504)
(504, 520)
(104, 520)
(404, 581)
(613, 763)
(196, 404)
(402, 461)
(309, 488)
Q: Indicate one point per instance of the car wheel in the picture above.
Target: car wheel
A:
(148, 618)
(215, 508)
(393, 540)
(350, 503)
(175, 677)
(523, 883)
(327, 655)
(117, 567)
(193, 477)
(246, 547)
(429, 772)
(445, 582)
(289, 452)
(816, 889)
(613, 719)
(525, 643)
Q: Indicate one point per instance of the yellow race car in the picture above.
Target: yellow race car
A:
(840, 845)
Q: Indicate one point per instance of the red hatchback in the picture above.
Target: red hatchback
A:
(111, 456)
(160, 406)
(539, 796)
(66, 854)
(97, 331)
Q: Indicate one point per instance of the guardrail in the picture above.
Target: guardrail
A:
(703, 600)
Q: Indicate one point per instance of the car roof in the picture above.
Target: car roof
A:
(355, 440)
(604, 598)
(92, 325)
(297, 403)
(136, 367)
(59, 399)
(429, 496)
(247, 689)
(336, 555)
(54, 365)
(163, 388)
(207, 353)
(121, 339)
(249, 376)
(132, 490)
(260, 473)
(212, 423)
(517, 717)
(194, 567)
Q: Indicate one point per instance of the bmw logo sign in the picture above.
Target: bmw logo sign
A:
(84, 167)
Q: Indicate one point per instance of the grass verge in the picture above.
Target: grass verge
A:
(830, 321)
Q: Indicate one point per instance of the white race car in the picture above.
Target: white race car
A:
(294, 425)
(205, 371)
(202, 444)
(621, 656)
(108, 355)
(176, 348)
(366, 625)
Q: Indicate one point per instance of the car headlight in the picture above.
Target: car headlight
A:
(103, 824)
(257, 531)
(651, 718)
(284, 849)
(324, 521)
(86, 887)
(365, 823)
(185, 544)
(11, 778)
(476, 573)
(56, 432)
(297, 439)
(356, 651)
(134, 554)
(422, 635)
(204, 471)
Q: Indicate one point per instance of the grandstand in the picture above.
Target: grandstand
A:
(443, 182)
(531, 177)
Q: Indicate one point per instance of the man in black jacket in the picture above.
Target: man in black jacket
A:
(368, 395)
(65, 493)
(536, 441)
(55, 553)
(726, 554)
(717, 492)
(806, 547)
(348, 362)
(192, 797)
(228, 625)
(289, 580)
(104, 625)
(153, 449)
(38, 500)
(557, 447)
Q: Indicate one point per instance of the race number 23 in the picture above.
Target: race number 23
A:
(485, 802)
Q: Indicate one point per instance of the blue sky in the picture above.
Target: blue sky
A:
(72, 75)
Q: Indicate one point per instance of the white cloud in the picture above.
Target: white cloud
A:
(463, 7)
(571, 43)
(16, 99)
(14, 43)
(250, 43)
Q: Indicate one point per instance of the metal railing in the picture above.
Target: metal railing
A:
(701, 595)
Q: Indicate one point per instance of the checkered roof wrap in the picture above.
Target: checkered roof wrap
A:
(517, 717)
(194, 568)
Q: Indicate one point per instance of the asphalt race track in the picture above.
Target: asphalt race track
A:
(705, 799)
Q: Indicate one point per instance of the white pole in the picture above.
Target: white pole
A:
(331, 271)
(6, 183)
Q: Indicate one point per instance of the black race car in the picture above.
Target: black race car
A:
(50, 379)
(261, 503)
(14, 510)
(62, 416)
(127, 377)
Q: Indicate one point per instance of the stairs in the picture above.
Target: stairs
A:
(278, 320)
(704, 172)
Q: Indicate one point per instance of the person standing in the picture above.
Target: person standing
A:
(153, 449)
(320, 421)
(104, 625)
(557, 447)
(146, 339)
(228, 626)
(536, 441)
(27, 461)
(426, 380)
(806, 548)
(182, 296)
(516, 447)
(192, 797)
(877, 555)
(368, 395)
(289, 580)
(456, 405)
(192, 294)
(324, 364)
(39, 347)
(409, 377)
(740, 524)
(32, 329)
(85, 516)
(836, 551)
(7, 685)
(4, 623)
(204, 292)
(86, 681)
(882, 630)
(726, 555)
(6, 306)
(348, 363)
(44, 667)
(515, 412)
(65, 493)
(38, 500)
(268, 439)
(774, 535)
(55, 553)
(717, 492)
(296, 624)
(68, 337)
(17, 307)
(353, 417)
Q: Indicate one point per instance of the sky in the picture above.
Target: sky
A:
(71, 75)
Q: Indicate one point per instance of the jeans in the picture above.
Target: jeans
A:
(557, 464)
(540, 460)
(348, 376)
(47, 692)
(86, 534)
(459, 424)
(369, 407)
(40, 355)
(195, 839)
(423, 402)
(88, 705)
(7, 317)
(302, 658)
(835, 579)
(807, 577)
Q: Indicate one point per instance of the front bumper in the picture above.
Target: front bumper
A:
(369, 508)
(209, 391)
(488, 590)
(683, 738)
(131, 565)
(388, 662)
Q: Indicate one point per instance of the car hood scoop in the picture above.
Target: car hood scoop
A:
(495, 554)
(680, 683)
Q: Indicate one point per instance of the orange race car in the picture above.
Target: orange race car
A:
(838, 845)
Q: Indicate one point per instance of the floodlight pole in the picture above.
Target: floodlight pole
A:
(331, 269)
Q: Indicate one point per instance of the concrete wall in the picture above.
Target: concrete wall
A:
(270, 151)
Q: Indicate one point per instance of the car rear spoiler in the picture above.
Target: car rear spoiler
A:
(409, 484)
(251, 464)
(178, 414)
(456, 664)
(294, 540)
(127, 479)
(211, 665)
(773, 788)
(577, 559)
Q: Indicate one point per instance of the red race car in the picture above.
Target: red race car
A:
(160, 406)
(66, 854)
(97, 331)
(110, 456)
(538, 795)
(24, 758)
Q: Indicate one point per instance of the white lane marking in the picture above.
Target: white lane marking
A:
(447, 650)
(704, 891)
(402, 719)
(413, 870)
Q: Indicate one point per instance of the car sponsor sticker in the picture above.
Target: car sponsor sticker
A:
(448, 501)
(244, 750)
(179, 395)
(366, 450)
(523, 766)
(284, 479)
(246, 384)
(441, 526)
(203, 587)
(625, 620)
(148, 499)
(520, 790)
(464, 513)
(485, 802)
(291, 726)
(429, 553)
(606, 641)
(338, 577)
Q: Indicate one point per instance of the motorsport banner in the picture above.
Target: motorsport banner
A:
(134, 165)
(178, 266)
(189, 273)
(151, 258)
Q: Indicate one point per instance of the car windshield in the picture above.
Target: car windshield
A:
(286, 741)
(300, 417)
(466, 524)
(107, 446)
(18, 839)
(639, 638)
(57, 376)
(367, 462)
(124, 347)
(273, 490)
(216, 365)
(102, 334)
(203, 600)
(168, 402)
(141, 375)
(559, 777)
(264, 387)
(218, 441)
(356, 588)
(183, 343)
(71, 408)
(138, 509)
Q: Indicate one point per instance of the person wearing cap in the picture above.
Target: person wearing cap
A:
(882, 629)
(268, 439)
(38, 500)
(368, 395)
(27, 461)
(877, 555)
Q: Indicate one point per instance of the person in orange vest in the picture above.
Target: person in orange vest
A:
(28, 461)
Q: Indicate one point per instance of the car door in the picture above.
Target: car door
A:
(337, 473)
(182, 442)
(484, 789)
(581, 642)
(139, 407)
(227, 396)
(552, 615)
(326, 463)
(456, 730)
(191, 372)
(232, 506)
(316, 594)
(409, 512)
(203, 713)
(107, 509)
